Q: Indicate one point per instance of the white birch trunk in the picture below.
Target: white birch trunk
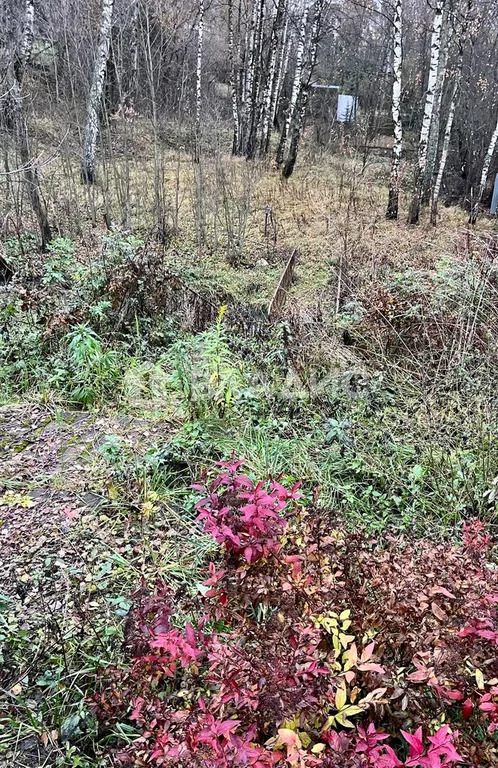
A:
(484, 175)
(393, 203)
(296, 85)
(198, 89)
(92, 125)
(282, 70)
(304, 92)
(12, 107)
(250, 67)
(233, 80)
(444, 151)
(133, 75)
(28, 37)
(255, 103)
(433, 140)
(275, 46)
(437, 26)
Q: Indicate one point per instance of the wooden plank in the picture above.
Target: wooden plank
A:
(277, 303)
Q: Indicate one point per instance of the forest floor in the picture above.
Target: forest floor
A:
(123, 378)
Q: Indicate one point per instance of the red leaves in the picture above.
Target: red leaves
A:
(440, 752)
(475, 537)
(293, 598)
(246, 519)
(467, 709)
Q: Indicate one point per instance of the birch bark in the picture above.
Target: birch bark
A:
(269, 93)
(88, 172)
(304, 93)
(433, 139)
(198, 81)
(428, 110)
(484, 175)
(393, 202)
(12, 111)
(233, 80)
(436, 189)
(282, 71)
(296, 85)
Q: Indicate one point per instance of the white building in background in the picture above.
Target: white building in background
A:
(346, 108)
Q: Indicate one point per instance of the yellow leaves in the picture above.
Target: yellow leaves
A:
(479, 679)
(345, 710)
(340, 697)
(336, 625)
(147, 509)
(113, 492)
(12, 499)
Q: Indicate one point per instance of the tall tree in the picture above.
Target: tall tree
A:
(465, 27)
(15, 56)
(437, 26)
(198, 81)
(88, 172)
(132, 78)
(304, 92)
(393, 202)
(233, 81)
(276, 43)
(434, 132)
(296, 85)
(484, 175)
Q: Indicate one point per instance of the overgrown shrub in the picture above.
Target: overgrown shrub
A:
(311, 646)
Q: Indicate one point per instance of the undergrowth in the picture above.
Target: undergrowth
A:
(311, 646)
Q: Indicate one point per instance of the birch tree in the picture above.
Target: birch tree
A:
(296, 85)
(16, 55)
(304, 92)
(428, 110)
(255, 100)
(233, 80)
(436, 189)
(88, 172)
(484, 175)
(276, 41)
(198, 81)
(393, 202)
(132, 79)
(433, 140)
(465, 28)
(282, 70)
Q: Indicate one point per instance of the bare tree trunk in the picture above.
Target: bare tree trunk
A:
(250, 71)
(304, 93)
(269, 95)
(433, 141)
(444, 152)
(428, 110)
(484, 176)
(296, 85)
(282, 71)
(12, 112)
(198, 90)
(233, 81)
(393, 203)
(32, 180)
(256, 105)
(465, 29)
(132, 79)
(88, 173)
(26, 47)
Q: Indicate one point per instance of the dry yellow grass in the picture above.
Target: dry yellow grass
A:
(331, 210)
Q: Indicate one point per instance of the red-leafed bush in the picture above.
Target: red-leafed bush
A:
(313, 646)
